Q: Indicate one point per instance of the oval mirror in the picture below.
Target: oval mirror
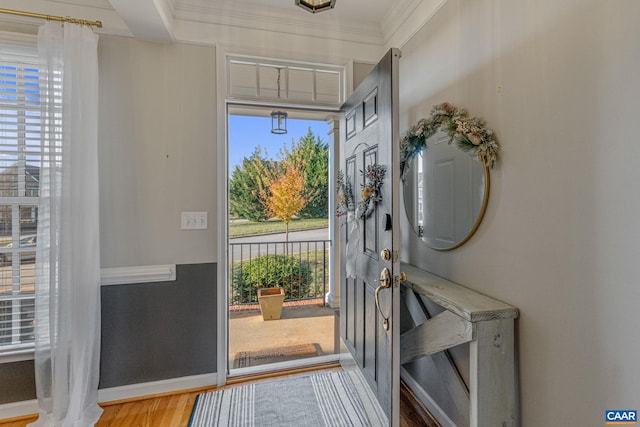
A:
(445, 193)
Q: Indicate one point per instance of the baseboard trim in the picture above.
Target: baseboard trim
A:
(19, 409)
(107, 396)
(134, 391)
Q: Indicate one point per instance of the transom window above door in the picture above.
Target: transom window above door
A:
(257, 79)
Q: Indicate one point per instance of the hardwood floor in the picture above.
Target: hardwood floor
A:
(171, 411)
(412, 413)
(174, 410)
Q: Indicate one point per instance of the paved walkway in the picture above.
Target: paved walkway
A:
(298, 325)
(253, 246)
(313, 234)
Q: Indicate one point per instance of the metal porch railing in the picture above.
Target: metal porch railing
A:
(301, 267)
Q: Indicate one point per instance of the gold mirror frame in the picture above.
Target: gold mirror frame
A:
(469, 135)
(476, 224)
(483, 209)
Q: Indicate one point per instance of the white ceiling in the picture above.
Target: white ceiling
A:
(372, 11)
(153, 19)
(372, 22)
(365, 16)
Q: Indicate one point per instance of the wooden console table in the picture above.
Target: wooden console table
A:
(469, 317)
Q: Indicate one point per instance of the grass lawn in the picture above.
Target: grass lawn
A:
(248, 228)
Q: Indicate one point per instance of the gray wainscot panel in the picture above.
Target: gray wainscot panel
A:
(17, 382)
(158, 331)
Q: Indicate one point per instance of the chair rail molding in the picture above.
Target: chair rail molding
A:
(140, 274)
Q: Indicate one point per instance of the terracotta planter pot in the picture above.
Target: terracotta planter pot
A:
(271, 300)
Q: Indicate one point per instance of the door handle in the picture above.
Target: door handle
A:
(385, 283)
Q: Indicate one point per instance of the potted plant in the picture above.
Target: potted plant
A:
(272, 278)
(271, 300)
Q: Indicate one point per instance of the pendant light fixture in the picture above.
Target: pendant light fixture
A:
(278, 118)
(278, 122)
(314, 6)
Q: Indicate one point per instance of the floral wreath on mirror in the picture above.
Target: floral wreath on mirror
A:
(371, 192)
(469, 134)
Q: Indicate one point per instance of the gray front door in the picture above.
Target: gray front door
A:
(369, 310)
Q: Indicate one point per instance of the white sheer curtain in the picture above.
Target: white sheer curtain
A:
(67, 319)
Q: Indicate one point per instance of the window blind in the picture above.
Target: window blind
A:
(20, 161)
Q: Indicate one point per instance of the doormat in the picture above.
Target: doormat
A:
(244, 359)
(337, 398)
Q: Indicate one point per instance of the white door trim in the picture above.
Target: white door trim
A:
(221, 140)
(222, 187)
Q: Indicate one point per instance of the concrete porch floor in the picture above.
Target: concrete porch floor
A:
(299, 324)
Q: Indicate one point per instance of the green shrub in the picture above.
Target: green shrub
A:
(271, 271)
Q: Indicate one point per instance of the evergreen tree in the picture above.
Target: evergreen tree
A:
(248, 182)
(311, 157)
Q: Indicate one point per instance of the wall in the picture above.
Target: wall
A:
(360, 71)
(158, 147)
(557, 83)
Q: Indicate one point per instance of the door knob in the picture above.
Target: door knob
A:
(385, 254)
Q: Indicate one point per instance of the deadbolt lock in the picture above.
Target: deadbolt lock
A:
(385, 254)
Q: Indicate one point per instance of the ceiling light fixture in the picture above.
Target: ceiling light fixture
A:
(314, 6)
(278, 118)
(278, 122)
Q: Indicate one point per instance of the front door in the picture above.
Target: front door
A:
(369, 262)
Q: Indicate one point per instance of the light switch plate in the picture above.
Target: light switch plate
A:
(194, 221)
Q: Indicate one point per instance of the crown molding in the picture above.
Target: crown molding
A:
(97, 4)
(397, 16)
(405, 19)
(167, 9)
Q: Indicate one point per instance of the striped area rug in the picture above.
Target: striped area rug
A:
(328, 399)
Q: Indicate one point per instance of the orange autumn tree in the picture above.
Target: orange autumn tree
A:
(285, 197)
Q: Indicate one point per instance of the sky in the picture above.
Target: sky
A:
(246, 132)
